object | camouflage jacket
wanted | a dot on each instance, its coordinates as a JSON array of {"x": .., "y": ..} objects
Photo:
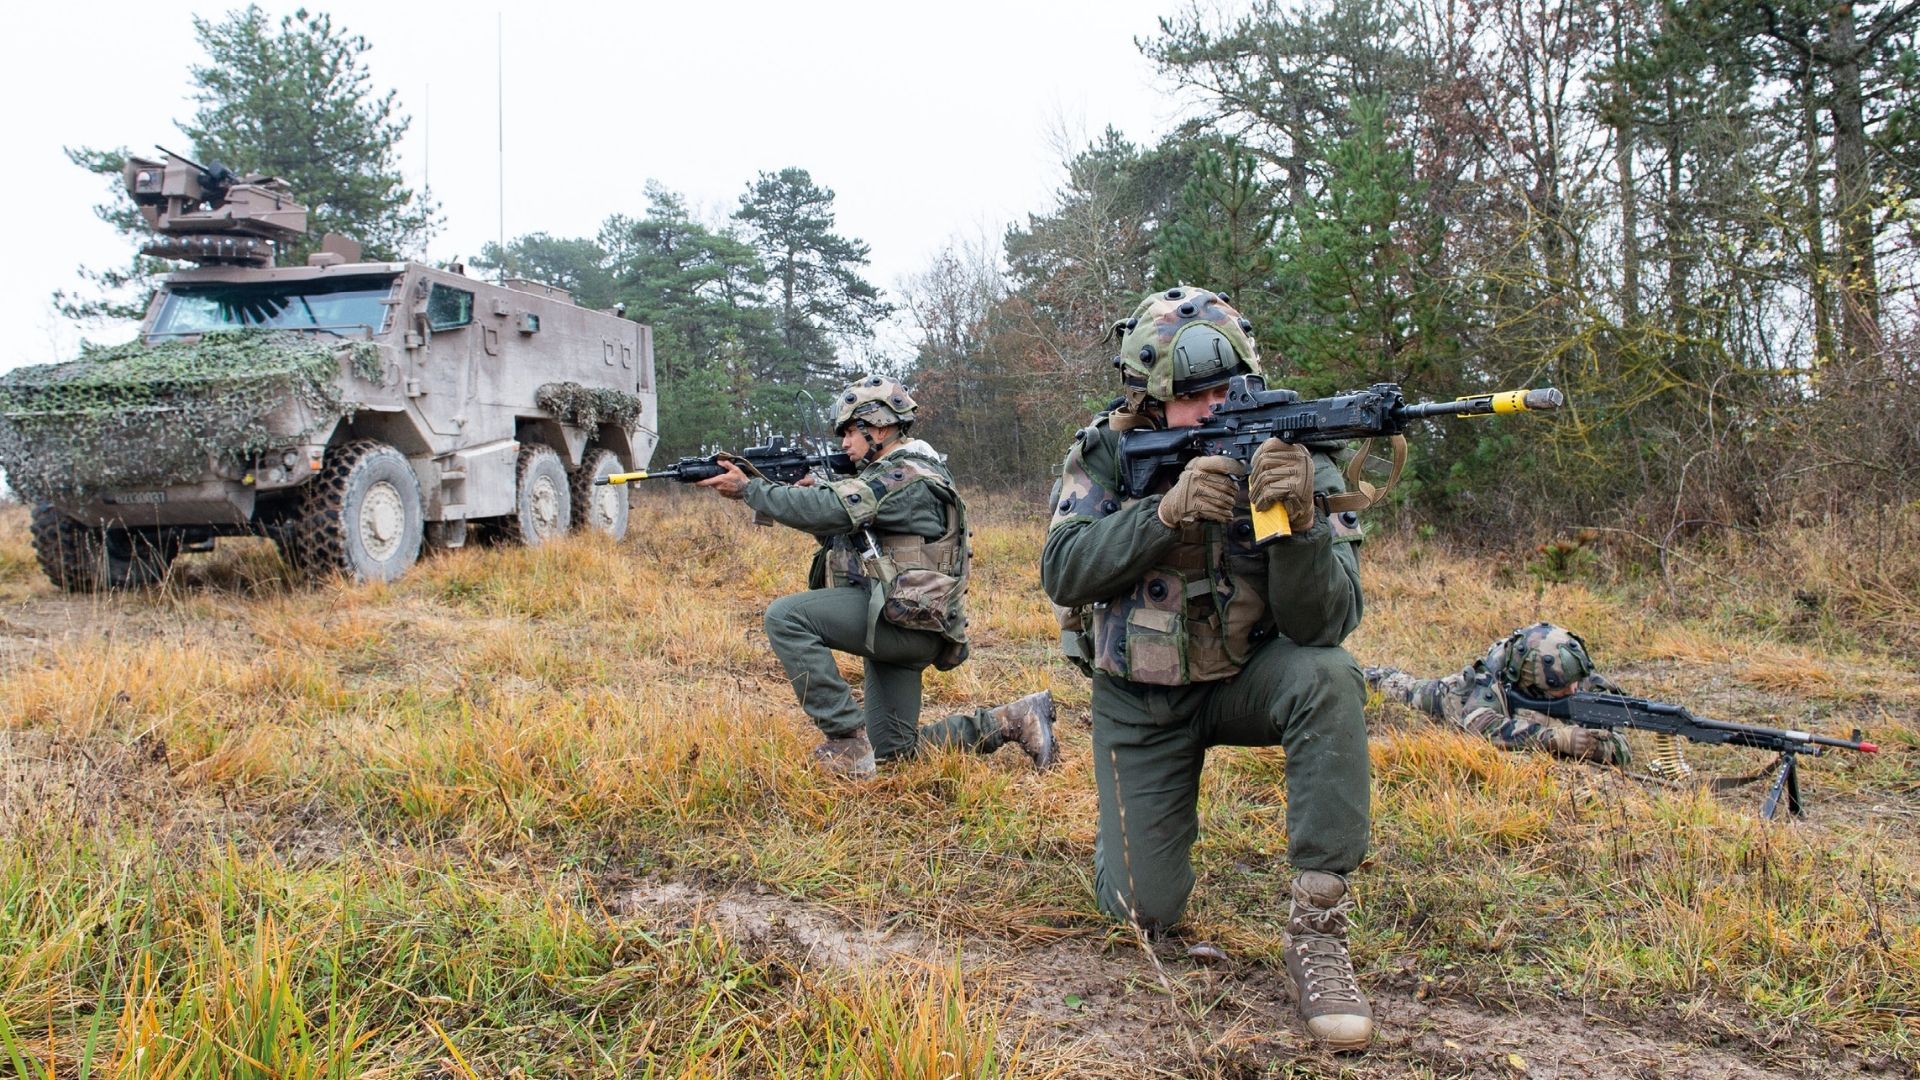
[
  {"x": 1171, "y": 607},
  {"x": 907, "y": 501}
]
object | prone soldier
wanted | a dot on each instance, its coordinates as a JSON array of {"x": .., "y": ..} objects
[
  {"x": 1542, "y": 660},
  {"x": 1197, "y": 636},
  {"x": 888, "y": 584}
]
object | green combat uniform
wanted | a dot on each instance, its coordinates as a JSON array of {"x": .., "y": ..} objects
[
  {"x": 1538, "y": 658},
  {"x": 1196, "y": 637},
  {"x": 889, "y": 585}
]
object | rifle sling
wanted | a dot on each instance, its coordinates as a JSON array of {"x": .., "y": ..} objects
[{"x": 1360, "y": 494}]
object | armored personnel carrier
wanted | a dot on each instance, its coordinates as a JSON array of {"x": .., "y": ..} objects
[{"x": 353, "y": 411}]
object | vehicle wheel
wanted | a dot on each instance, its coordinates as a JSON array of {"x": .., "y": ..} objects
[
  {"x": 542, "y": 506},
  {"x": 139, "y": 557},
  {"x": 361, "y": 516},
  {"x": 70, "y": 553},
  {"x": 286, "y": 540},
  {"x": 605, "y": 508}
]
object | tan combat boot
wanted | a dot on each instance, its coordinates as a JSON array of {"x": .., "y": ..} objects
[
  {"x": 851, "y": 757},
  {"x": 1029, "y": 722},
  {"x": 1318, "y": 967}
]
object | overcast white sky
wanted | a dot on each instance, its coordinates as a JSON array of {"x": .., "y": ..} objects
[{"x": 929, "y": 121}]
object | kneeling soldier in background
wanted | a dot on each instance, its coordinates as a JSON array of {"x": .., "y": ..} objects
[{"x": 888, "y": 585}]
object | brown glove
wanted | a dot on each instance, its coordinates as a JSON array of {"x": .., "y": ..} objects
[
  {"x": 1206, "y": 491},
  {"x": 1283, "y": 473},
  {"x": 1586, "y": 744}
]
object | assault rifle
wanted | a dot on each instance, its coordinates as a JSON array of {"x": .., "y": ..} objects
[
  {"x": 1252, "y": 414},
  {"x": 776, "y": 461},
  {"x": 1611, "y": 711}
]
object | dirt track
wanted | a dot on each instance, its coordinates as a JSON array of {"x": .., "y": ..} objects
[{"x": 1168, "y": 1015}]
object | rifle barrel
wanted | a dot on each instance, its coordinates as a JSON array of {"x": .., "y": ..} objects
[
  {"x": 1508, "y": 401},
  {"x": 626, "y": 477}
]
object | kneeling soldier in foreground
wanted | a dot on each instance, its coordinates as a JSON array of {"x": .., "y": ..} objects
[
  {"x": 888, "y": 585},
  {"x": 1196, "y": 636}
]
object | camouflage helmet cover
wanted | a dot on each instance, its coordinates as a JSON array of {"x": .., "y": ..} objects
[
  {"x": 1179, "y": 341},
  {"x": 1545, "y": 657},
  {"x": 879, "y": 401}
]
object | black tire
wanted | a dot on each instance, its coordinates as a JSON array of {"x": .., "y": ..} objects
[
  {"x": 286, "y": 541},
  {"x": 542, "y": 505},
  {"x": 139, "y": 557},
  {"x": 360, "y": 517},
  {"x": 604, "y": 508},
  {"x": 72, "y": 555}
]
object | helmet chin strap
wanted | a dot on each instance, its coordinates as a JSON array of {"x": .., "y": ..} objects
[{"x": 874, "y": 449}]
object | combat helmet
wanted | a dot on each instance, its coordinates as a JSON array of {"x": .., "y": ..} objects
[
  {"x": 1183, "y": 341},
  {"x": 876, "y": 400},
  {"x": 1546, "y": 657}
]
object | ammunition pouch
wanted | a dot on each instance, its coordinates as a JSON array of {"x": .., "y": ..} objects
[
  {"x": 1075, "y": 641},
  {"x": 920, "y": 600},
  {"x": 914, "y": 583},
  {"x": 1143, "y": 636}
]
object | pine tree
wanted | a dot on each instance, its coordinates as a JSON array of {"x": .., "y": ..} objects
[
  {"x": 292, "y": 100},
  {"x": 819, "y": 297},
  {"x": 1357, "y": 269},
  {"x": 1221, "y": 235}
]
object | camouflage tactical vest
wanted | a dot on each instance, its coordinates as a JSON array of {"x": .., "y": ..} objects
[
  {"x": 918, "y": 583},
  {"x": 1196, "y": 617}
]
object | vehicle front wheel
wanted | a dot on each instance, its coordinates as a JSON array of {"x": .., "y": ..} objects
[
  {"x": 542, "y": 508},
  {"x": 70, "y": 553},
  {"x": 603, "y": 508},
  {"x": 361, "y": 516}
]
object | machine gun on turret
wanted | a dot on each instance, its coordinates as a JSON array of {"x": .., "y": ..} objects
[{"x": 210, "y": 214}]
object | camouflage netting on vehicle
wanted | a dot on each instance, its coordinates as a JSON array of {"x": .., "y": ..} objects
[
  {"x": 574, "y": 404},
  {"x": 139, "y": 415}
]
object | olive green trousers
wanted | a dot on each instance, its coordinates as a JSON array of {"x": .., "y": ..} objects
[
  {"x": 1149, "y": 743},
  {"x": 806, "y": 628}
]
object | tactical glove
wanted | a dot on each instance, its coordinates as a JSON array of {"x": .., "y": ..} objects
[
  {"x": 1283, "y": 473},
  {"x": 1206, "y": 491},
  {"x": 1586, "y": 744}
]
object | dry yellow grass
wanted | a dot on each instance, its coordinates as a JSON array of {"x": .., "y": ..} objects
[{"x": 389, "y": 819}]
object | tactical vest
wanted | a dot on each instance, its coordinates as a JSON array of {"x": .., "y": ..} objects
[
  {"x": 1196, "y": 617},
  {"x": 916, "y": 583}
]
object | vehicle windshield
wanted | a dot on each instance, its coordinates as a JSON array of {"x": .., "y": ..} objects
[{"x": 344, "y": 307}]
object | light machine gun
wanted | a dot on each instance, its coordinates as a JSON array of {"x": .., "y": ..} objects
[
  {"x": 1611, "y": 711},
  {"x": 1252, "y": 414},
  {"x": 777, "y": 461}
]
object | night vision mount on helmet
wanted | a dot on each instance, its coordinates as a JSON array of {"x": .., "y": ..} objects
[{"x": 1183, "y": 341}]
